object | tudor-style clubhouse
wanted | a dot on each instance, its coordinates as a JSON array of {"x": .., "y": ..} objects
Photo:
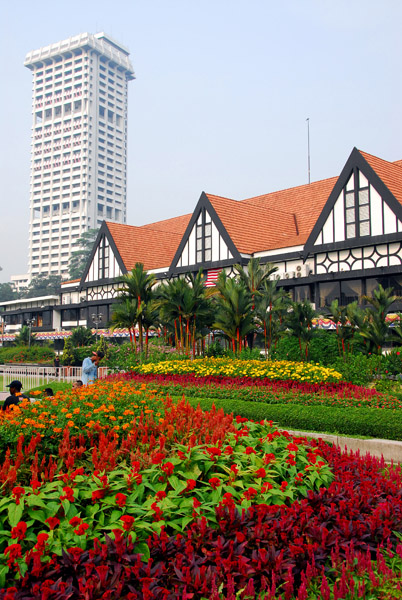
[{"x": 335, "y": 238}]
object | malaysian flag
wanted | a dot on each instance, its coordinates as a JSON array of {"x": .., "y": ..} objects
[{"x": 212, "y": 277}]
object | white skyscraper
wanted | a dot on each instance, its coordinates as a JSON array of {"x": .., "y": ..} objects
[{"x": 79, "y": 145}]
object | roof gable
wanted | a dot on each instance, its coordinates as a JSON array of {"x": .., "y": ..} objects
[
  {"x": 205, "y": 241},
  {"x": 361, "y": 205}
]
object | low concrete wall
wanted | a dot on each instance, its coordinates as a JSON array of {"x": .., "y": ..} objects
[{"x": 390, "y": 450}]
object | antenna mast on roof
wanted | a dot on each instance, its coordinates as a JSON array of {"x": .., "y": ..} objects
[{"x": 308, "y": 147}]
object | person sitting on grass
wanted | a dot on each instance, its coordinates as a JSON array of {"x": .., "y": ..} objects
[
  {"x": 15, "y": 394},
  {"x": 90, "y": 367},
  {"x": 77, "y": 384}
]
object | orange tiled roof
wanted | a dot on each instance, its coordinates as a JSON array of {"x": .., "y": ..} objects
[
  {"x": 277, "y": 220},
  {"x": 389, "y": 172},
  {"x": 154, "y": 244}
]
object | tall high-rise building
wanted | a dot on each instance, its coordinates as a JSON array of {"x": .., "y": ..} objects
[{"x": 79, "y": 145}]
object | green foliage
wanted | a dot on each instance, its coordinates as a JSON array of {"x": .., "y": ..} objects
[
  {"x": 358, "y": 368},
  {"x": 386, "y": 424},
  {"x": 25, "y": 337},
  {"x": 79, "y": 258},
  {"x": 7, "y": 292},
  {"x": 67, "y": 358},
  {"x": 43, "y": 285},
  {"x": 82, "y": 336},
  {"x": 23, "y": 354},
  {"x": 215, "y": 349},
  {"x": 391, "y": 363}
]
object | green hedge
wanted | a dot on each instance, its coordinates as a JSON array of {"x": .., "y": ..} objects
[
  {"x": 361, "y": 422},
  {"x": 23, "y": 354}
]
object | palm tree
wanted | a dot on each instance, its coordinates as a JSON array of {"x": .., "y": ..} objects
[
  {"x": 137, "y": 287},
  {"x": 233, "y": 310},
  {"x": 125, "y": 315},
  {"x": 254, "y": 276},
  {"x": 376, "y": 331},
  {"x": 184, "y": 304},
  {"x": 270, "y": 310},
  {"x": 81, "y": 336},
  {"x": 299, "y": 323}
]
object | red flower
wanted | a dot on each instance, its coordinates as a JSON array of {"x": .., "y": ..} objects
[
  {"x": 18, "y": 532},
  {"x": 168, "y": 468},
  {"x": 128, "y": 522},
  {"x": 158, "y": 458},
  {"x": 75, "y": 553},
  {"x": 81, "y": 529},
  {"x": 52, "y": 522},
  {"x": 260, "y": 473},
  {"x": 68, "y": 494},
  {"x": 75, "y": 521},
  {"x": 269, "y": 458},
  {"x": 17, "y": 492},
  {"x": 250, "y": 450},
  {"x": 292, "y": 447},
  {"x": 181, "y": 455},
  {"x": 214, "y": 482},
  {"x": 121, "y": 500},
  {"x": 227, "y": 499},
  {"x": 196, "y": 503},
  {"x": 250, "y": 493},
  {"x": 41, "y": 541},
  {"x": 98, "y": 495},
  {"x": 160, "y": 495},
  {"x": 266, "y": 486},
  {"x": 284, "y": 485},
  {"x": 191, "y": 483},
  {"x": 228, "y": 450},
  {"x": 158, "y": 516},
  {"x": 234, "y": 468},
  {"x": 240, "y": 419},
  {"x": 213, "y": 451},
  {"x": 137, "y": 478},
  {"x": 14, "y": 552}
]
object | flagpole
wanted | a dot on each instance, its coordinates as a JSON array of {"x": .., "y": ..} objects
[{"x": 308, "y": 147}]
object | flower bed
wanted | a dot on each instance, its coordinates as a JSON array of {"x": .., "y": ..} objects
[
  {"x": 187, "y": 504},
  {"x": 274, "y": 370},
  {"x": 265, "y": 390}
]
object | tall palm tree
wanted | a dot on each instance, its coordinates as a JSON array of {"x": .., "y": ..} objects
[
  {"x": 184, "y": 303},
  {"x": 299, "y": 323},
  {"x": 254, "y": 276},
  {"x": 137, "y": 286},
  {"x": 233, "y": 310},
  {"x": 377, "y": 330},
  {"x": 270, "y": 310},
  {"x": 125, "y": 315}
]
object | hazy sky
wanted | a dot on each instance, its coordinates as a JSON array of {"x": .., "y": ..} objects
[{"x": 221, "y": 96}]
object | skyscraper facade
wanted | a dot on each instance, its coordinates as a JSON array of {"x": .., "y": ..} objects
[{"x": 79, "y": 145}]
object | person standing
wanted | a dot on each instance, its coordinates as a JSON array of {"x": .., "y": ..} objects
[
  {"x": 15, "y": 394},
  {"x": 56, "y": 363},
  {"x": 90, "y": 367}
]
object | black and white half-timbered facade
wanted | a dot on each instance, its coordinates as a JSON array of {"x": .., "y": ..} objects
[{"x": 335, "y": 238}]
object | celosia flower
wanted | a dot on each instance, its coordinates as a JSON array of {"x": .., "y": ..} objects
[
  {"x": 14, "y": 552},
  {"x": 41, "y": 541},
  {"x": 75, "y": 521},
  {"x": 98, "y": 495},
  {"x": 284, "y": 485},
  {"x": 81, "y": 529},
  {"x": 228, "y": 450},
  {"x": 161, "y": 495},
  {"x": 52, "y": 522},
  {"x": 250, "y": 493},
  {"x": 260, "y": 473},
  {"x": 68, "y": 494},
  {"x": 191, "y": 483},
  {"x": 234, "y": 468},
  {"x": 196, "y": 503},
  {"x": 214, "y": 482},
  {"x": 18, "y": 532},
  {"x": 158, "y": 458},
  {"x": 266, "y": 486},
  {"x": 17, "y": 492},
  {"x": 213, "y": 451},
  {"x": 168, "y": 468},
  {"x": 128, "y": 522},
  {"x": 250, "y": 450},
  {"x": 268, "y": 458},
  {"x": 121, "y": 500}
]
